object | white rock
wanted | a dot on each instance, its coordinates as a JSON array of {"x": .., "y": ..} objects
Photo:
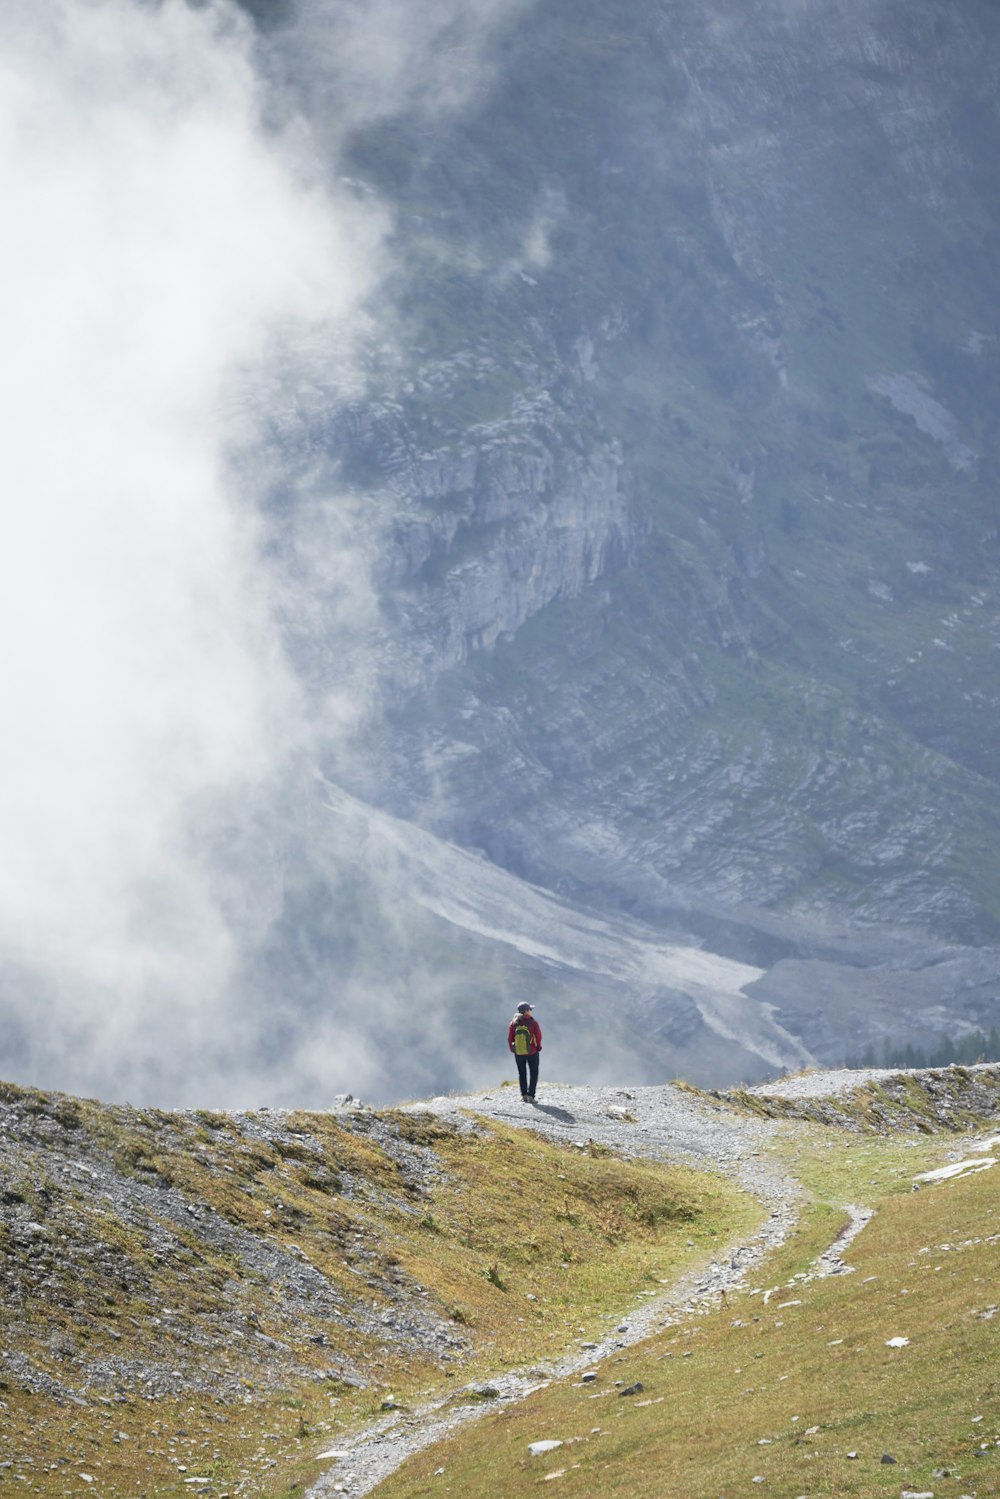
[
  {"x": 897, "y": 1343},
  {"x": 535, "y": 1448}
]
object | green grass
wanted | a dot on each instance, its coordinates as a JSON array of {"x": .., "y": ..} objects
[
  {"x": 582, "y": 1232},
  {"x": 782, "y": 1384}
]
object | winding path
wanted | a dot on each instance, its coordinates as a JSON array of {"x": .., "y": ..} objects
[{"x": 663, "y": 1123}]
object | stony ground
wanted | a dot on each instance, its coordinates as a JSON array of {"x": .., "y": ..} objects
[
  {"x": 832, "y": 1083},
  {"x": 84, "y": 1212}
]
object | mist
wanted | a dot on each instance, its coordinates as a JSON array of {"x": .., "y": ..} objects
[
  {"x": 192, "y": 291},
  {"x": 183, "y": 270}
]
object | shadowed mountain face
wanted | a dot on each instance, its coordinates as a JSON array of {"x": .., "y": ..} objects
[
  {"x": 696, "y": 444},
  {"x": 668, "y": 482},
  {"x": 687, "y": 464}
]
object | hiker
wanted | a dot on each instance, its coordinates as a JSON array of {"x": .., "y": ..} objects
[{"x": 524, "y": 1037}]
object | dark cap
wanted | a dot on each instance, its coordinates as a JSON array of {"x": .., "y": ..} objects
[{"x": 521, "y": 1008}]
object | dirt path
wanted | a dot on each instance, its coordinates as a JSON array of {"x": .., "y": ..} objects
[{"x": 664, "y": 1123}]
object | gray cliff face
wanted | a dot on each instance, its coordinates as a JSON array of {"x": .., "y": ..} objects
[
  {"x": 867, "y": 97},
  {"x": 635, "y": 564},
  {"x": 737, "y": 340},
  {"x": 468, "y": 531},
  {"x": 555, "y": 523}
]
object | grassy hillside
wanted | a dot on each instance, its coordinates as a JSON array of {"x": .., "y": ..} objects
[
  {"x": 207, "y": 1302},
  {"x": 214, "y": 1296},
  {"x": 792, "y": 1386}
]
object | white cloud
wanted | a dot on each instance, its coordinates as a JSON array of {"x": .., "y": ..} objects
[
  {"x": 184, "y": 278},
  {"x": 355, "y": 63},
  {"x": 158, "y": 241}
]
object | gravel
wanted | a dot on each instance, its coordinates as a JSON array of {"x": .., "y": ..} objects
[
  {"x": 663, "y": 1123},
  {"x": 833, "y": 1084},
  {"x": 837, "y": 1082}
]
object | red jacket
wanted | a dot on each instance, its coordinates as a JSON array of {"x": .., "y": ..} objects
[{"x": 535, "y": 1044}]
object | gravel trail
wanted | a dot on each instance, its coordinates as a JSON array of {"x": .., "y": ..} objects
[
  {"x": 663, "y": 1123},
  {"x": 832, "y": 1084}
]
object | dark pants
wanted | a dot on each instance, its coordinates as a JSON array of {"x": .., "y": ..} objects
[{"x": 527, "y": 1068}]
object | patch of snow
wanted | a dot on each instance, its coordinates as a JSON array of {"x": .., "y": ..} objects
[
  {"x": 957, "y": 1168},
  {"x": 478, "y": 897},
  {"x": 908, "y": 392}
]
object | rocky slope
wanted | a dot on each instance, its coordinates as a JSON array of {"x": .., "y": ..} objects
[
  {"x": 728, "y": 409},
  {"x": 208, "y": 1293}
]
